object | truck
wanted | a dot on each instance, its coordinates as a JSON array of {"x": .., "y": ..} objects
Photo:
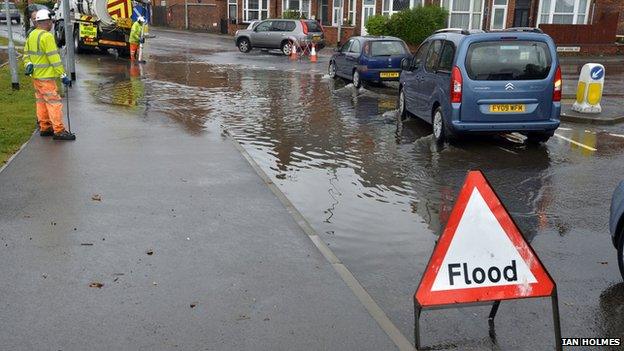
[{"x": 100, "y": 24}]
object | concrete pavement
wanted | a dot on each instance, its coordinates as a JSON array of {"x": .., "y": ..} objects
[{"x": 192, "y": 248}]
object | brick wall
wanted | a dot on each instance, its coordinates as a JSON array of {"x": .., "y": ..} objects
[
  {"x": 611, "y": 6},
  {"x": 205, "y": 15},
  {"x": 331, "y": 34}
]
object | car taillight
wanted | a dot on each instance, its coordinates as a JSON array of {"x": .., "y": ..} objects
[
  {"x": 456, "y": 85},
  {"x": 558, "y": 85},
  {"x": 305, "y": 27}
]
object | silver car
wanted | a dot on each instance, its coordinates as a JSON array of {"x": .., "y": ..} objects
[
  {"x": 13, "y": 12},
  {"x": 280, "y": 34}
]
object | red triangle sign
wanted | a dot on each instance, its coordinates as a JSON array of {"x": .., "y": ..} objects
[{"x": 481, "y": 255}]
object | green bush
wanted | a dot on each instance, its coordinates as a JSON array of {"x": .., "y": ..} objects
[
  {"x": 291, "y": 14},
  {"x": 377, "y": 25},
  {"x": 412, "y": 25}
]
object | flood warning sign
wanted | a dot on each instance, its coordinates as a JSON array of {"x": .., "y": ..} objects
[{"x": 481, "y": 255}]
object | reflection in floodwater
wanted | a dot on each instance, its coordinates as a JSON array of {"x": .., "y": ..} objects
[{"x": 340, "y": 152}]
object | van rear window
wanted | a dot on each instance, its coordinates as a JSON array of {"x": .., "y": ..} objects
[{"x": 508, "y": 60}]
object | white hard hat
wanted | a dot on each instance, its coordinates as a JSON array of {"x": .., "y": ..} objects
[
  {"x": 141, "y": 19},
  {"x": 42, "y": 15}
]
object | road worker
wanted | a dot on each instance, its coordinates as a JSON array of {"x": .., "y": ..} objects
[
  {"x": 136, "y": 38},
  {"x": 42, "y": 60}
]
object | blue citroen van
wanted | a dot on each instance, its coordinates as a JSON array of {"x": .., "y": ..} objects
[{"x": 475, "y": 82}]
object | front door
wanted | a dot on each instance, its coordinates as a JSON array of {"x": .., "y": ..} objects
[
  {"x": 368, "y": 10},
  {"x": 521, "y": 13},
  {"x": 261, "y": 34}
]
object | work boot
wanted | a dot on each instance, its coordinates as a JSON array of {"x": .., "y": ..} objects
[
  {"x": 64, "y": 135},
  {"x": 46, "y": 133}
]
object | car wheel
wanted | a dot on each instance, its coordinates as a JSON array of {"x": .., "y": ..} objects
[
  {"x": 536, "y": 138},
  {"x": 244, "y": 45},
  {"x": 402, "y": 109},
  {"x": 331, "y": 70},
  {"x": 287, "y": 48},
  {"x": 620, "y": 250},
  {"x": 357, "y": 82}
]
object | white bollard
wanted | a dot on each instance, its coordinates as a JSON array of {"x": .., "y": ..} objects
[{"x": 589, "y": 89}]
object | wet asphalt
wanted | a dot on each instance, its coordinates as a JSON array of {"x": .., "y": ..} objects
[{"x": 378, "y": 192}]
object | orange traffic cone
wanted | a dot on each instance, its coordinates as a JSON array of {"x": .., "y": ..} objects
[
  {"x": 313, "y": 57},
  {"x": 293, "y": 51}
]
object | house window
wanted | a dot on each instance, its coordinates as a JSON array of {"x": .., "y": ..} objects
[
  {"x": 563, "y": 11},
  {"x": 324, "y": 12},
  {"x": 254, "y": 10},
  {"x": 337, "y": 13},
  {"x": 301, "y": 6},
  {"x": 232, "y": 10},
  {"x": 392, "y": 6},
  {"x": 466, "y": 14},
  {"x": 352, "y": 13}
]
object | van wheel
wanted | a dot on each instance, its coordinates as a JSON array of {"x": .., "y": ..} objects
[
  {"x": 439, "y": 129},
  {"x": 244, "y": 45},
  {"x": 402, "y": 109},
  {"x": 357, "y": 81},
  {"x": 536, "y": 138}
]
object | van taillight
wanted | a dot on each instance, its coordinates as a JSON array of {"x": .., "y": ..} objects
[
  {"x": 305, "y": 27},
  {"x": 456, "y": 85},
  {"x": 558, "y": 85}
]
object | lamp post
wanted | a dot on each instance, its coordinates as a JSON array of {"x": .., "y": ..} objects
[{"x": 12, "y": 57}]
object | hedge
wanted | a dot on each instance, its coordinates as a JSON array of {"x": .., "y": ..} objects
[{"x": 412, "y": 25}]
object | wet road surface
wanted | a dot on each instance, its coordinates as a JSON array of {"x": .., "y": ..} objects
[{"x": 379, "y": 192}]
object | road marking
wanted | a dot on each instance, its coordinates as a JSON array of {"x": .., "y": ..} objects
[
  {"x": 576, "y": 142},
  {"x": 345, "y": 274},
  {"x": 617, "y": 135},
  {"x": 564, "y": 128}
]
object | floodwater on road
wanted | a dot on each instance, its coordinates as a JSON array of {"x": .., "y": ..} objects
[{"x": 379, "y": 192}]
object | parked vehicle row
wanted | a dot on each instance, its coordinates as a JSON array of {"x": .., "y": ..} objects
[
  {"x": 464, "y": 82},
  {"x": 14, "y": 14},
  {"x": 459, "y": 81}
]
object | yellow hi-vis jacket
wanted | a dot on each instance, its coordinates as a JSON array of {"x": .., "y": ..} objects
[
  {"x": 41, "y": 51},
  {"x": 135, "y": 32}
]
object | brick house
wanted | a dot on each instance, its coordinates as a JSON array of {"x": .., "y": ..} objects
[{"x": 557, "y": 17}]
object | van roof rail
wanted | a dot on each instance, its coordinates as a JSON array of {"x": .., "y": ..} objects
[
  {"x": 523, "y": 29},
  {"x": 453, "y": 30}
]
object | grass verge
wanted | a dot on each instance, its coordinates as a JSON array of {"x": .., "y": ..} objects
[
  {"x": 17, "y": 120},
  {"x": 4, "y": 41}
]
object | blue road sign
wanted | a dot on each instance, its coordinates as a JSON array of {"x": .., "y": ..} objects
[{"x": 597, "y": 73}]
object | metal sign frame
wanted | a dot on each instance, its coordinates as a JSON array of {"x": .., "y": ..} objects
[{"x": 418, "y": 308}]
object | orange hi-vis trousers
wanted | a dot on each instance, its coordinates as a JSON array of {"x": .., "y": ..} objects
[
  {"x": 49, "y": 105},
  {"x": 134, "y": 51}
]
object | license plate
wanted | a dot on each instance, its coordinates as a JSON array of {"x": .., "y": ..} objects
[
  {"x": 389, "y": 75},
  {"x": 502, "y": 108}
]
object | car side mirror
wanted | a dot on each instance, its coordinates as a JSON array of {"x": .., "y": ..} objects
[{"x": 406, "y": 64}]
